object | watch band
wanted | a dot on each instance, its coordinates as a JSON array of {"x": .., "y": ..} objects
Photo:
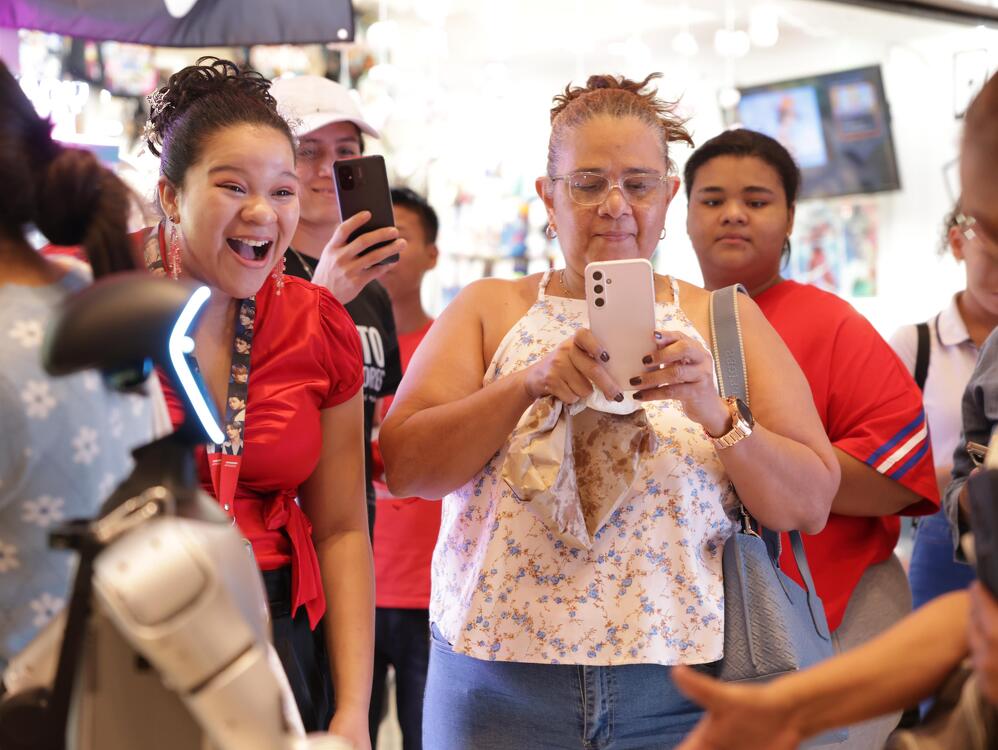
[{"x": 740, "y": 429}]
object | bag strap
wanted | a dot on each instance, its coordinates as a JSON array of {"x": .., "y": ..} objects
[
  {"x": 732, "y": 380},
  {"x": 922, "y": 355}
]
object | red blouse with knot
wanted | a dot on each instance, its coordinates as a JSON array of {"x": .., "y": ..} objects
[{"x": 306, "y": 357}]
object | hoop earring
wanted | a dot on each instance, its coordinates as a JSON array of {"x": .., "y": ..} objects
[
  {"x": 550, "y": 232},
  {"x": 278, "y": 276},
  {"x": 662, "y": 235},
  {"x": 173, "y": 265}
]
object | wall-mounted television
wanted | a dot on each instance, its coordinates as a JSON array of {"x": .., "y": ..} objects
[{"x": 836, "y": 125}]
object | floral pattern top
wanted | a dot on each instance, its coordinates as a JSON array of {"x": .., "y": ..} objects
[
  {"x": 649, "y": 590},
  {"x": 66, "y": 444}
]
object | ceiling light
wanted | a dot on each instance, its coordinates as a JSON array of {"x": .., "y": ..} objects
[
  {"x": 728, "y": 97},
  {"x": 685, "y": 44},
  {"x": 731, "y": 43},
  {"x": 764, "y": 26}
]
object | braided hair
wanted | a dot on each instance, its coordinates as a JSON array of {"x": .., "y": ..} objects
[{"x": 201, "y": 99}]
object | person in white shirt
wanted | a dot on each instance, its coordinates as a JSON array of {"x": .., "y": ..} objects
[{"x": 951, "y": 341}]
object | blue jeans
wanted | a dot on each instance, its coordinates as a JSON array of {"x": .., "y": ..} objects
[
  {"x": 486, "y": 705},
  {"x": 933, "y": 571}
]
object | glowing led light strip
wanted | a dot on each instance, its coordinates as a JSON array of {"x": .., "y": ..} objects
[{"x": 181, "y": 344}]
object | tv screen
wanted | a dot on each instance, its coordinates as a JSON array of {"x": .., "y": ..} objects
[{"x": 837, "y": 126}]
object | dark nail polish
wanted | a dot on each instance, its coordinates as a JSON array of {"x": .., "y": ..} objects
[
  {"x": 658, "y": 335},
  {"x": 635, "y": 381},
  {"x": 619, "y": 397},
  {"x": 605, "y": 356},
  {"x": 636, "y": 396},
  {"x": 647, "y": 359}
]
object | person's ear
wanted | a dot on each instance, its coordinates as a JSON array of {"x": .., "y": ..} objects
[
  {"x": 544, "y": 186},
  {"x": 169, "y": 199},
  {"x": 791, "y": 213},
  {"x": 956, "y": 242},
  {"x": 673, "y": 183},
  {"x": 432, "y": 254}
]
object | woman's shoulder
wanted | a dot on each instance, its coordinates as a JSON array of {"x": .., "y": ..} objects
[
  {"x": 492, "y": 293},
  {"x": 815, "y": 298},
  {"x": 302, "y": 306},
  {"x": 300, "y": 297}
]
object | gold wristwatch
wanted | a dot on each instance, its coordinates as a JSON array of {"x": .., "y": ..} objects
[{"x": 742, "y": 423}]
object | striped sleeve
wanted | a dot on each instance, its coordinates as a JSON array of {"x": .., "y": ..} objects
[
  {"x": 880, "y": 419},
  {"x": 903, "y": 451}
]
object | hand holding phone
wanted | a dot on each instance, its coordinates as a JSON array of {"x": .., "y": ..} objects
[
  {"x": 358, "y": 252},
  {"x": 977, "y": 452},
  {"x": 620, "y": 295},
  {"x": 362, "y": 185}
]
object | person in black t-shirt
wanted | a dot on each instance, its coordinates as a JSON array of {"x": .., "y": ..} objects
[{"x": 331, "y": 127}]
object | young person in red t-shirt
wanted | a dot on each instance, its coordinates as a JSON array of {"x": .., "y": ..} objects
[
  {"x": 405, "y": 529},
  {"x": 742, "y": 188}
]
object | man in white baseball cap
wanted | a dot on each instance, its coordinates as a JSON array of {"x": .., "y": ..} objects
[{"x": 329, "y": 126}]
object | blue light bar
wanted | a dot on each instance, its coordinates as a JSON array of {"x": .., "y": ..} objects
[{"x": 179, "y": 345}]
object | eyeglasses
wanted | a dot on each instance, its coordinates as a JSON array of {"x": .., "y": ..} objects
[
  {"x": 971, "y": 229},
  {"x": 592, "y": 188}
]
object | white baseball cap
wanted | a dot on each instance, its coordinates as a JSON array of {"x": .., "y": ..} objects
[{"x": 316, "y": 102}]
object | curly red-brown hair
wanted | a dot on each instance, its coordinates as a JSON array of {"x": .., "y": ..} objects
[{"x": 615, "y": 96}]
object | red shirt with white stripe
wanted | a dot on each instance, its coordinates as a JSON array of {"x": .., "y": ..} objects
[{"x": 872, "y": 410}]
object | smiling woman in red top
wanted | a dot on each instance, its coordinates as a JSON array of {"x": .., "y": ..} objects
[
  {"x": 742, "y": 188},
  {"x": 280, "y": 359}
]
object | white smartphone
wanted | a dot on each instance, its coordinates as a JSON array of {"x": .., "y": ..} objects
[{"x": 620, "y": 295}]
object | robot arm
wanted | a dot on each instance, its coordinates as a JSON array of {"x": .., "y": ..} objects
[{"x": 187, "y": 596}]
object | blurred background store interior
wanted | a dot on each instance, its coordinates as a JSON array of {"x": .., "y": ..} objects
[{"x": 869, "y": 100}]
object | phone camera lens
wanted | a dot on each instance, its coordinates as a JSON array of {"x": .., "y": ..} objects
[
  {"x": 597, "y": 275},
  {"x": 598, "y": 289},
  {"x": 600, "y": 302},
  {"x": 346, "y": 177}
]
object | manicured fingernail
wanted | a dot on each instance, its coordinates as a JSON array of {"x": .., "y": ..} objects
[
  {"x": 605, "y": 356},
  {"x": 658, "y": 335},
  {"x": 647, "y": 359},
  {"x": 619, "y": 397},
  {"x": 635, "y": 381},
  {"x": 636, "y": 395}
]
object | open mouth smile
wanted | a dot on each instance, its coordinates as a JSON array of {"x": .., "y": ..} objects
[{"x": 249, "y": 249}]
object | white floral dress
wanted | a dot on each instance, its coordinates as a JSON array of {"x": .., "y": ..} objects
[
  {"x": 66, "y": 444},
  {"x": 648, "y": 592}
]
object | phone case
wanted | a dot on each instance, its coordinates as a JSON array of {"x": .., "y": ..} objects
[
  {"x": 620, "y": 295},
  {"x": 983, "y": 491},
  {"x": 362, "y": 185}
]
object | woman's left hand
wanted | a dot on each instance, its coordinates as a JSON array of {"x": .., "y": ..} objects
[
  {"x": 352, "y": 726},
  {"x": 681, "y": 369}
]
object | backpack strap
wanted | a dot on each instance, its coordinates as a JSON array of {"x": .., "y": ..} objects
[{"x": 922, "y": 355}]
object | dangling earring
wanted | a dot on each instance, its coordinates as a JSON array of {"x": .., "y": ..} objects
[
  {"x": 661, "y": 236},
  {"x": 278, "y": 276},
  {"x": 173, "y": 252},
  {"x": 550, "y": 232}
]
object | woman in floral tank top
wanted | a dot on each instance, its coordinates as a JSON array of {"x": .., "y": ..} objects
[{"x": 542, "y": 643}]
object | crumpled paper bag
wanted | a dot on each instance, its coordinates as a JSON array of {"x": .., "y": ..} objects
[{"x": 574, "y": 465}]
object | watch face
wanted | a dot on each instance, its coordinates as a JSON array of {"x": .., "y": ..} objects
[{"x": 745, "y": 412}]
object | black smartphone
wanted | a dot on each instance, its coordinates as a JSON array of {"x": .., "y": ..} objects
[
  {"x": 983, "y": 494},
  {"x": 362, "y": 185}
]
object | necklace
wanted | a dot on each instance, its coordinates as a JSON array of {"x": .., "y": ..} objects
[
  {"x": 565, "y": 286},
  {"x": 306, "y": 266}
]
